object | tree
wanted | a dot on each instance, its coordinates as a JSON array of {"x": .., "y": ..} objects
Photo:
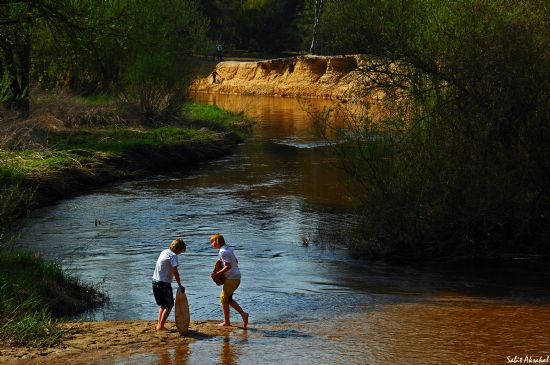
[
  {"x": 266, "y": 25},
  {"x": 94, "y": 47},
  {"x": 454, "y": 159},
  {"x": 19, "y": 20},
  {"x": 318, "y": 11},
  {"x": 157, "y": 73}
]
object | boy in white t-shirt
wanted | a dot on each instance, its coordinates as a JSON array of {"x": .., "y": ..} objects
[
  {"x": 232, "y": 279},
  {"x": 166, "y": 269}
]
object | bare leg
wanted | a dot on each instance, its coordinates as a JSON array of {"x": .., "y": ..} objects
[
  {"x": 161, "y": 310},
  {"x": 164, "y": 311},
  {"x": 226, "y": 314},
  {"x": 243, "y": 314}
]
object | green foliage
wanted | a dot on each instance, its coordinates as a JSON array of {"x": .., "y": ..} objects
[
  {"x": 156, "y": 77},
  {"x": 264, "y": 25},
  {"x": 94, "y": 47},
  {"x": 6, "y": 92},
  {"x": 462, "y": 162},
  {"x": 20, "y": 23}
]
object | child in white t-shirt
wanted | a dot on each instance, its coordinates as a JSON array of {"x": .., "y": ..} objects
[
  {"x": 232, "y": 279},
  {"x": 165, "y": 270}
]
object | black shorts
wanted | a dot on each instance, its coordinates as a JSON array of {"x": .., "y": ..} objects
[{"x": 163, "y": 293}]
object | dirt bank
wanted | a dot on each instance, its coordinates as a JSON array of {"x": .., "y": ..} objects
[
  {"x": 109, "y": 341},
  {"x": 302, "y": 76},
  {"x": 139, "y": 162}
]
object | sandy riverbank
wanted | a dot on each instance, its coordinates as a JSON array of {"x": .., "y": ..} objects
[
  {"x": 334, "y": 77},
  {"x": 112, "y": 341}
]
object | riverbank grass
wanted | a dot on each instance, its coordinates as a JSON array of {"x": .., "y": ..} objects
[
  {"x": 33, "y": 293},
  {"x": 210, "y": 112},
  {"x": 54, "y": 149}
]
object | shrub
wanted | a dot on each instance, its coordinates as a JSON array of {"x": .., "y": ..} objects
[{"x": 459, "y": 164}]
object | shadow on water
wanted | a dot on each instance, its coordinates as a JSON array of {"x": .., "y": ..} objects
[
  {"x": 287, "y": 333},
  {"x": 521, "y": 281}
]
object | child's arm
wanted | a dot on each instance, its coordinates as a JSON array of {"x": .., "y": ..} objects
[
  {"x": 226, "y": 267},
  {"x": 177, "y": 276},
  {"x": 226, "y": 262}
]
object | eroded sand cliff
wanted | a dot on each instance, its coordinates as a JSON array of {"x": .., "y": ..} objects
[{"x": 303, "y": 76}]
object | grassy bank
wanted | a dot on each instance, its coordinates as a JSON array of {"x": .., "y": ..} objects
[
  {"x": 65, "y": 147},
  {"x": 82, "y": 137},
  {"x": 33, "y": 293}
]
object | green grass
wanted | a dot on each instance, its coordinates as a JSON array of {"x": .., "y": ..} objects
[
  {"x": 213, "y": 117},
  {"x": 119, "y": 140},
  {"x": 16, "y": 164},
  {"x": 33, "y": 293},
  {"x": 81, "y": 146},
  {"x": 209, "y": 112}
]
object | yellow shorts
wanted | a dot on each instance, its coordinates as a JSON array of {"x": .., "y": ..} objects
[{"x": 229, "y": 287}]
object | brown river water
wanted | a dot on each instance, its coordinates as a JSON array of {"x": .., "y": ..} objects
[{"x": 309, "y": 304}]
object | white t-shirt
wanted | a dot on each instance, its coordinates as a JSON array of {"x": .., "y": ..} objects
[
  {"x": 164, "y": 269},
  {"x": 227, "y": 256}
]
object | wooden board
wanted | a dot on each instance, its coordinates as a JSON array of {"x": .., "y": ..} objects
[{"x": 182, "y": 312}]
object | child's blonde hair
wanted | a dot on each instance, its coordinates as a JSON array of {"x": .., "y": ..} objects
[
  {"x": 218, "y": 238},
  {"x": 178, "y": 246}
]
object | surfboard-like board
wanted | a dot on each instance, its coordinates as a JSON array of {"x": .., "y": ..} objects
[{"x": 182, "y": 312}]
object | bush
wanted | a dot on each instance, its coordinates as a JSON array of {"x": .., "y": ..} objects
[
  {"x": 158, "y": 71},
  {"x": 459, "y": 164},
  {"x": 155, "y": 88}
]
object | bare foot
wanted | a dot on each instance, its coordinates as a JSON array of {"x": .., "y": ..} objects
[
  {"x": 164, "y": 329},
  {"x": 245, "y": 320},
  {"x": 224, "y": 324}
]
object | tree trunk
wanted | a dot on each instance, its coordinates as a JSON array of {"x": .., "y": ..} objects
[
  {"x": 17, "y": 60},
  {"x": 11, "y": 69},
  {"x": 318, "y": 10},
  {"x": 23, "y": 104}
]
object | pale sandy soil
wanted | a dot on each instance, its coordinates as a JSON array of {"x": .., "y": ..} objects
[
  {"x": 97, "y": 342},
  {"x": 334, "y": 77}
]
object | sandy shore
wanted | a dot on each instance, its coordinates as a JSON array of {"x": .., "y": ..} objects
[{"x": 105, "y": 341}]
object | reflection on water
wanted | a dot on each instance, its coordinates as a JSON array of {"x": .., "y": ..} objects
[
  {"x": 307, "y": 304},
  {"x": 448, "y": 330},
  {"x": 458, "y": 330}
]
